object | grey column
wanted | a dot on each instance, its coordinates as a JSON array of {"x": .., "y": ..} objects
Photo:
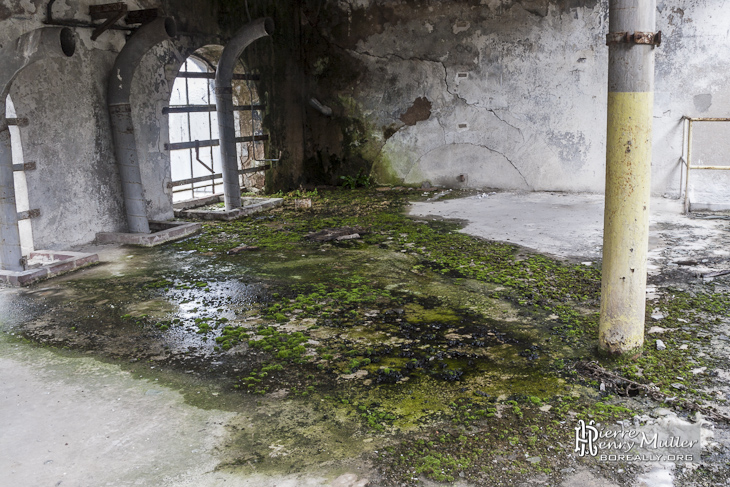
[
  {"x": 628, "y": 175},
  {"x": 10, "y": 251},
  {"x": 120, "y": 112},
  {"x": 224, "y": 105}
]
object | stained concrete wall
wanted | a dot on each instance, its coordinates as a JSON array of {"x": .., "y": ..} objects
[
  {"x": 76, "y": 185},
  {"x": 691, "y": 80},
  {"x": 504, "y": 94},
  {"x": 495, "y": 93},
  {"x": 461, "y": 93}
]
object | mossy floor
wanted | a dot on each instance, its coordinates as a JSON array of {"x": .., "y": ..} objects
[{"x": 420, "y": 351}]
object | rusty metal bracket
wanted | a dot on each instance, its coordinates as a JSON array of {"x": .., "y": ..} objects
[
  {"x": 197, "y": 157},
  {"x": 50, "y": 20},
  {"x": 106, "y": 10},
  {"x": 20, "y": 122},
  {"x": 111, "y": 12},
  {"x": 646, "y": 38},
  {"x": 28, "y": 166},
  {"x": 25, "y": 215}
]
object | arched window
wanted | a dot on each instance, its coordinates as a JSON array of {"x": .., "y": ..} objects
[
  {"x": 22, "y": 201},
  {"x": 194, "y": 152},
  {"x": 191, "y": 120}
]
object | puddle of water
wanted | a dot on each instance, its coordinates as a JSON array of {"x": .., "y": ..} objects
[{"x": 169, "y": 307}]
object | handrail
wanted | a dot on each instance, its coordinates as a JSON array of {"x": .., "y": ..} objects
[{"x": 688, "y": 161}]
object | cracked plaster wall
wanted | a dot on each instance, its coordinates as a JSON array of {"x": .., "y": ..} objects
[
  {"x": 491, "y": 93},
  {"x": 517, "y": 88},
  {"x": 691, "y": 80},
  {"x": 76, "y": 185}
]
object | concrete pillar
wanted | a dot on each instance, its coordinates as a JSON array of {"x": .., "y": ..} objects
[
  {"x": 10, "y": 250},
  {"x": 14, "y": 57},
  {"x": 119, "y": 92},
  {"x": 628, "y": 169},
  {"x": 224, "y": 105}
]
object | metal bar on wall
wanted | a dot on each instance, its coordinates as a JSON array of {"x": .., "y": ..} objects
[
  {"x": 207, "y": 108},
  {"x": 212, "y": 177},
  {"x": 211, "y": 75},
  {"x": 214, "y": 142}
]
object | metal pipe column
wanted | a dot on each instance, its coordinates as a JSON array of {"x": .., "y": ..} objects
[
  {"x": 28, "y": 48},
  {"x": 224, "y": 105},
  {"x": 120, "y": 111},
  {"x": 628, "y": 170}
]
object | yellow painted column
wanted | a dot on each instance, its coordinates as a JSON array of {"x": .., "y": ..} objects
[
  {"x": 626, "y": 221},
  {"x": 628, "y": 175}
]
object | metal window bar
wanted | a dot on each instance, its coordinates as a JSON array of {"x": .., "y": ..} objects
[
  {"x": 187, "y": 117},
  {"x": 688, "y": 160},
  {"x": 253, "y": 128},
  {"x": 211, "y": 143},
  {"x": 211, "y": 177},
  {"x": 211, "y": 75},
  {"x": 196, "y": 145},
  {"x": 207, "y": 108}
]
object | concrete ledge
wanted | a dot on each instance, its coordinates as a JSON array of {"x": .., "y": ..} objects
[
  {"x": 198, "y": 202},
  {"x": 250, "y": 206},
  {"x": 713, "y": 207},
  {"x": 50, "y": 263},
  {"x": 162, "y": 232}
]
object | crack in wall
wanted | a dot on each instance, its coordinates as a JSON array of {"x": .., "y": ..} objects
[
  {"x": 505, "y": 158},
  {"x": 443, "y": 129},
  {"x": 457, "y": 96},
  {"x": 476, "y": 105},
  {"x": 514, "y": 166},
  {"x": 388, "y": 57},
  {"x": 493, "y": 112}
]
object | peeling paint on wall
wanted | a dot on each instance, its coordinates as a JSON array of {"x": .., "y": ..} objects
[
  {"x": 5, "y": 12},
  {"x": 702, "y": 102},
  {"x": 419, "y": 111},
  {"x": 491, "y": 72}
]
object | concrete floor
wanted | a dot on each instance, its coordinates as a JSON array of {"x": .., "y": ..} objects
[
  {"x": 76, "y": 421},
  {"x": 70, "y": 421},
  {"x": 560, "y": 224},
  {"x": 571, "y": 226}
]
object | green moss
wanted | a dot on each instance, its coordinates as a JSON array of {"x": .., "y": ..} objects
[{"x": 452, "y": 342}]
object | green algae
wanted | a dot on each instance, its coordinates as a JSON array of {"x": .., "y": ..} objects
[
  {"x": 687, "y": 323},
  {"x": 412, "y": 329},
  {"x": 476, "y": 445},
  {"x": 415, "y": 313}
]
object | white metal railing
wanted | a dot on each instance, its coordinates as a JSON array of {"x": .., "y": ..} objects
[{"x": 688, "y": 161}]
